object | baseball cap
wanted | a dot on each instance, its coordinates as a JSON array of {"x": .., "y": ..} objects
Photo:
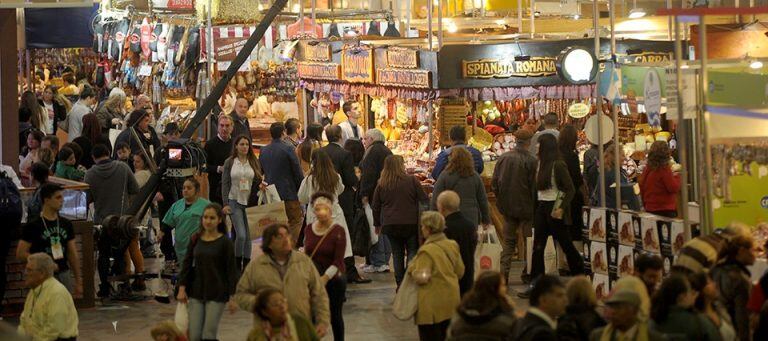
[{"x": 624, "y": 296}]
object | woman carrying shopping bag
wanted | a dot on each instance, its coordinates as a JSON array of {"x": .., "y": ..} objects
[
  {"x": 553, "y": 211},
  {"x": 209, "y": 276},
  {"x": 436, "y": 269},
  {"x": 240, "y": 182}
]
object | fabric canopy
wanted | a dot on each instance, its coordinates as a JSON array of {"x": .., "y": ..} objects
[{"x": 59, "y": 27}]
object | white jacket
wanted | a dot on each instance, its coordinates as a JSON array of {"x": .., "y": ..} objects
[
  {"x": 306, "y": 190},
  {"x": 347, "y": 132}
]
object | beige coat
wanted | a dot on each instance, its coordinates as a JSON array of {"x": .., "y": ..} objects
[
  {"x": 301, "y": 286},
  {"x": 438, "y": 299}
]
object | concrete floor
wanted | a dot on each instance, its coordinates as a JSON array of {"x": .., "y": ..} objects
[{"x": 367, "y": 314}]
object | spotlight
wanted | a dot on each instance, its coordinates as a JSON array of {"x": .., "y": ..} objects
[
  {"x": 756, "y": 64},
  {"x": 636, "y": 13}
]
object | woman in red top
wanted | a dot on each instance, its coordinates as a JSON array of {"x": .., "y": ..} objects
[
  {"x": 659, "y": 186},
  {"x": 325, "y": 242}
]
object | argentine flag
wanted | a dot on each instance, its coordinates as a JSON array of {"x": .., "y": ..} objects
[{"x": 610, "y": 83}]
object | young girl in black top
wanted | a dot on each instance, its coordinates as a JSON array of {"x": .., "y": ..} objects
[{"x": 209, "y": 276}]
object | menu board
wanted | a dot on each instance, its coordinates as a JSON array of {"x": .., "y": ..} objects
[{"x": 451, "y": 115}]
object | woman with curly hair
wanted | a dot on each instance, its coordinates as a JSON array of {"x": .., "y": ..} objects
[
  {"x": 659, "y": 186},
  {"x": 460, "y": 176}
]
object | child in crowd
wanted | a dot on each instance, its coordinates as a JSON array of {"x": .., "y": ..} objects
[
  {"x": 124, "y": 153},
  {"x": 67, "y": 167}
]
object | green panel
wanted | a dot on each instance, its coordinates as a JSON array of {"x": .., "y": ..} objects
[
  {"x": 747, "y": 195},
  {"x": 738, "y": 89},
  {"x": 633, "y": 78}
]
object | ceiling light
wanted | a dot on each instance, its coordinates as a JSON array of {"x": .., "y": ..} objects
[
  {"x": 636, "y": 13},
  {"x": 296, "y": 8},
  {"x": 756, "y": 64},
  {"x": 500, "y": 22},
  {"x": 576, "y": 17},
  {"x": 452, "y": 28}
]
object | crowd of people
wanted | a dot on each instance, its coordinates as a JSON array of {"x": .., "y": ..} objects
[{"x": 296, "y": 285}]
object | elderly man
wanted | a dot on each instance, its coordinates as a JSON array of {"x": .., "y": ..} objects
[
  {"x": 461, "y": 230},
  {"x": 551, "y": 126},
  {"x": 370, "y": 171},
  {"x": 623, "y": 323},
  {"x": 240, "y": 117},
  {"x": 49, "y": 312}
]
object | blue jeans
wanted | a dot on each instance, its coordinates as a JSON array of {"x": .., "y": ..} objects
[
  {"x": 204, "y": 317},
  {"x": 240, "y": 224},
  {"x": 401, "y": 245},
  {"x": 381, "y": 252}
]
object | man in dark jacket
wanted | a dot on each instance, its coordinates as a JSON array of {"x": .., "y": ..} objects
[
  {"x": 345, "y": 166},
  {"x": 514, "y": 183},
  {"x": 548, "y": 302},
  {"x": 370, "y": 172},
  {"x": 111, "y": 185},
  {"x": 281, "y": 168},
  {"x": 459, "y": 138},
  {"x": 240, "y": 117},
  {"x": 462, "y": 231},
  {"x": 218, "y": 150}
]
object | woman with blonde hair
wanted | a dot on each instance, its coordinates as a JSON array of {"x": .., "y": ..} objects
[
  {"x": 580, "y": 315},
  {"x": 395, "y": 208},
  {"x": 436, "y": 270},
  {"x": 112, "y": 112},
  {"x": 460, "y": 176}
]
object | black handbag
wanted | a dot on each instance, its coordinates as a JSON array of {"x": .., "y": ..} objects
[{"x": 360, "y": 234}]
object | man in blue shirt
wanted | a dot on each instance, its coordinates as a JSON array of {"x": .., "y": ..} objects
[
  {"x": 281, "y": 167},
  {"x": 458, "y": 137}
]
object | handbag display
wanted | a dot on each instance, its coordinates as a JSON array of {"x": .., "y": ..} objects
[{"x": 266, "y": 213}]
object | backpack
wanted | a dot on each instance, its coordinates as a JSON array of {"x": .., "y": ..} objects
[{"x": 10, "y": 200}]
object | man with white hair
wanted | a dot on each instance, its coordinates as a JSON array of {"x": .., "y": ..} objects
[
  {"x": 49, "y": 312},
  {"x": 461, "y": 230},
  {"x": 370, "y": 171}
]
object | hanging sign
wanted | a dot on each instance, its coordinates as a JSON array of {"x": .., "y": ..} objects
[
  {"x": 316, "y": 51},
  {"x": 645, "y": 57},
  {"x": 325, "y": 71},
  {"x": 404, "y": 78},
  {"x": 402, "y": 58},
  {"x": 357, "y": 64},
  {"x": 652, "y": 98},
  {"x": 506, "y": 68},
  {"x": 577, "y": 65},
  {"x": 578, "y": 110},
  {"x": 451, "y": 115}
]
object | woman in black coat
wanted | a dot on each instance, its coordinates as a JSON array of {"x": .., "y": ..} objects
[
  {"x": 567, "y": 143},
  {"x": 139, "y": 119}
]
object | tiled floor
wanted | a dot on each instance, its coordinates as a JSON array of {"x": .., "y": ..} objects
[{"x": 367, "y": 315}]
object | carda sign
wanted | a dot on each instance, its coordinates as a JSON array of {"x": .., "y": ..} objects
[
  {"x": 646, "y": 57},
  {"x": 506, "y": 68},
  {"x": 357, "y": 64}
]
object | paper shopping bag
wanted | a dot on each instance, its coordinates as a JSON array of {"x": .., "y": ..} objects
[
  {"x": 550, "y": 255},
  {"x": 113, "y": 133},
  {"x": 264, "y": 215},
  {"x": 369, "y": 216},
  {"x": 181, "y": 318},
  {"x": 488, "y": 252}
]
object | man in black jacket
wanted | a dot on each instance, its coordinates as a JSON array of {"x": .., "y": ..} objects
[
  {"x": 370, "y": 172},
  {"x": 461, "y": 230},
  {"x": 240, "y": 116},
  {"x": 218, "y": 150},
  {"x": 548, "y": 302},
  {"x": 344, "y": 165}
]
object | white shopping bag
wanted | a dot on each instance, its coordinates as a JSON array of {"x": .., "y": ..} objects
[
  {"x": 113, "y": 133},
  {"x": 271, "y": 194},
  {"x": 550, "y": 255},
  {"x": 488, "y": 252},
  {"x": 369, "y": 216},
  {"x": 182, "y": 317}
]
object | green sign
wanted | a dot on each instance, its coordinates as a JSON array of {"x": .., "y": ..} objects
[
  {"x": 633, "y": 79},
  {"x": 748, "y": 202},
  {"x": 739, "y": 89}
]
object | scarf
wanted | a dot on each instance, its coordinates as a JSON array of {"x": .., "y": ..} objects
[
  {"x": 640, "y": 335},
  {"x": 286, "y": 333}
]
